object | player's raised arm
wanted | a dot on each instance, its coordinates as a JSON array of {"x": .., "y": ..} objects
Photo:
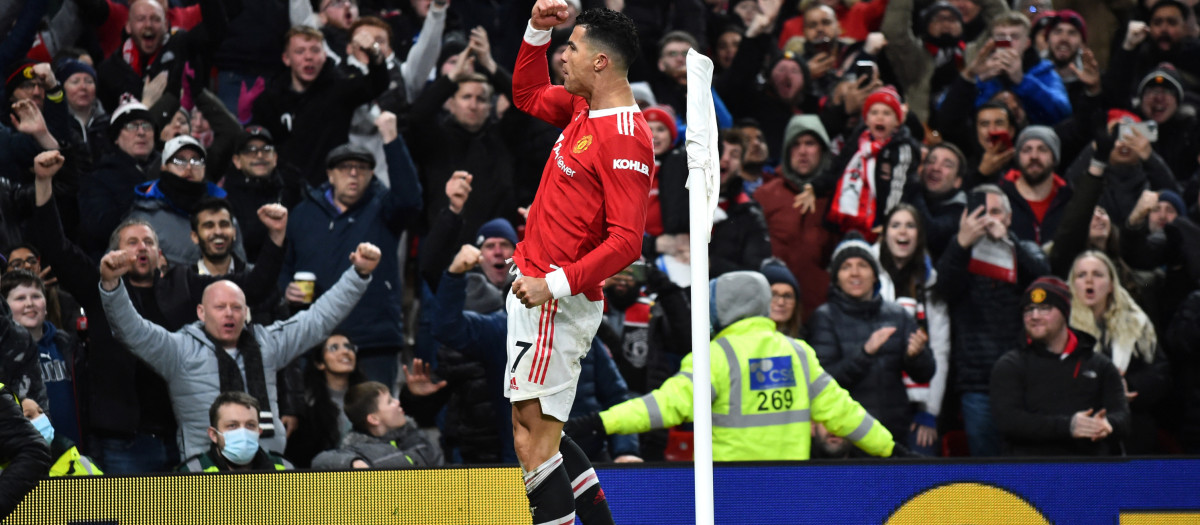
[{"x": 532, "y": 91}]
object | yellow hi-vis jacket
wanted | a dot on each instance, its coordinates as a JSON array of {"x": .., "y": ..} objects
[{"x": 767, "y": 389}]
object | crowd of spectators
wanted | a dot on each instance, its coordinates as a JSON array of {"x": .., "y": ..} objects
[{"x": 298, "y": 217}]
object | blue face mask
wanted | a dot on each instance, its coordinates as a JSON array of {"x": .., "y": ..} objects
[
  {"x": 240, "y": 445},
  {"x": 42, "y": 424}
]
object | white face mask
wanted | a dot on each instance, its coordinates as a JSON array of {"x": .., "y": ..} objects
[{"x": 241, "y": 444}]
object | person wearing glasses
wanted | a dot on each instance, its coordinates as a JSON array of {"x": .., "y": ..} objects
[
  {"x": 331, "y": 368},
  {"x": 105, "y": 194},
  {"x": 253, "y": 183},
  {"x": 167, "y": 203},
  {"x": 353, "y": 207},
  {"x": 1056, "y": 395}
]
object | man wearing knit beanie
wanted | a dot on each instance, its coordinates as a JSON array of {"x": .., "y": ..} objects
[
  {"x": 1066, "y": 34},
  {"x": 853, "y": 245},
  {"x": 1037, "y": 194},
  {"x": 1169, "y": 207},
  {"x": 1044, "y": 293},
  {"x": 496, "y": 241},
  {"x": 1075, "y": 392}
]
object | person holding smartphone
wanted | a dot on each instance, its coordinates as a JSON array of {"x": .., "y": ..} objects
[{"x": 1009, "y": 62}]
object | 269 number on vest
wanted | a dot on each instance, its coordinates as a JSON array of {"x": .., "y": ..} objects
[{"x": 778, "y": 400}]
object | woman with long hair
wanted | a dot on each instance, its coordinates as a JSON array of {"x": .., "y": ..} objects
[
  {"x": 907, "y": 278},
  {"x": 1101, "y": 307},
  {"x": 331, "y": 369}
]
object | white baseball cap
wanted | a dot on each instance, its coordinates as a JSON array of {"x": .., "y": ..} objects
[{"x": 183, "y": 141}]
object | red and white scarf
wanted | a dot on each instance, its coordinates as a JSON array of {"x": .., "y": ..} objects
[
  {"x": 853, "y": 206},
  {"x": 134, "y": 57}
]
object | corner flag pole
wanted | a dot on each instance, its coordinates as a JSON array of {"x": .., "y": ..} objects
[{"x": 703, "y": 187}]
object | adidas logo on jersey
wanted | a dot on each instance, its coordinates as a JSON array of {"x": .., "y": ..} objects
[
  {"x": 512, "y": 384},
  {"x": 626, "y": 164}
]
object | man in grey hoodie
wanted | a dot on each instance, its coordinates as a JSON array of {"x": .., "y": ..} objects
[{"x": 222, "y": 352}]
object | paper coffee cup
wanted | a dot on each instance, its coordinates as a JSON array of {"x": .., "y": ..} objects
[{"x": 307, "y": 281}]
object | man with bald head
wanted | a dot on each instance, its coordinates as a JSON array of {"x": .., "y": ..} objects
[
  {"x": 151, "y": 49},
  {"x": 223, "y": 352}
]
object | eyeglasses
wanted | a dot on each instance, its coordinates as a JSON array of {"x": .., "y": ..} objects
[
  {"x": 347, "y": 168},
  {"x": 255, "y": 150},
  {"x": 138, "y": 125},
  {"x": 785, "y": 297},
  {"x": 350, "y": 347},
  {"x": 1037, "y": 308},
  {"x": 196, "y": 162},
  {"x": 18, "y": 263}
]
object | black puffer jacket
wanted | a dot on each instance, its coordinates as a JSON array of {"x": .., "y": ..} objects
[
  {"x": 26, "y": 456},
  {"x": 839, "y": 331},
  {"x": 740, "y": 241},
  {"x": 986, "y": 320},
  {"x": 1035, "y": 393}
]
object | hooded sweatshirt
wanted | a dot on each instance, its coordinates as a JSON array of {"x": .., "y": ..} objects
[{"x": 800, "y": 240}]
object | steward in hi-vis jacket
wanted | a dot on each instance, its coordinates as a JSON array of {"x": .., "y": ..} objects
[{"x": 767, "y": 388}]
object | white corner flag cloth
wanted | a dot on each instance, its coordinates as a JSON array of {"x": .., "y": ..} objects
[{"x": 703, "y": 158}]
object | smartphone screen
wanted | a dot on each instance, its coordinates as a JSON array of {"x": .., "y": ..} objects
[
  {"x": 975, "y": 200},
  {"x": 1003, "y": 43}
]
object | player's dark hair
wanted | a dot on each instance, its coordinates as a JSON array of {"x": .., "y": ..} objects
[{"x": 612, "y": 31}]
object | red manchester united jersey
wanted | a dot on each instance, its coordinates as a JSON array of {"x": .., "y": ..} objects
[{"x": 589, "y": 212}]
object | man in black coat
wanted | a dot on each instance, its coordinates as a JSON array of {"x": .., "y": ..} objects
[
  {"x": 307, "y": 107},
  {"x": 466, "y": 140},
  {"x": 984, "y": 302},
  {"x": 1057, "y": 396},
  {"x": 24, "y": 451}
]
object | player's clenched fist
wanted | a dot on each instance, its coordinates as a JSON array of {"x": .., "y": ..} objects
[
  {"x": 115, "y": 264},
  {"x": 548, "y": 13},
  {"x": 365, "y": 258},
  {"x": 531, "y": 291}
]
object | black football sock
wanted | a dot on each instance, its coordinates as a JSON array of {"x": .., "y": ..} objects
[
  {"x": 590, "y": 503},
  {"x": 549, "y": 492}
]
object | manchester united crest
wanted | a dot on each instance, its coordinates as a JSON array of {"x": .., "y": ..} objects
[{"x": 582, "y": 145}]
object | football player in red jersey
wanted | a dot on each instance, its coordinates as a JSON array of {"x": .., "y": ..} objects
[{"x": 584, "y": 225}]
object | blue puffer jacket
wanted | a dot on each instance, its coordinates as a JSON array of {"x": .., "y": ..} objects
[
  {"x": 321, "y": 239},
  {"x": 485, "y": 337},
  {"x": 1041, "y": 92}
]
